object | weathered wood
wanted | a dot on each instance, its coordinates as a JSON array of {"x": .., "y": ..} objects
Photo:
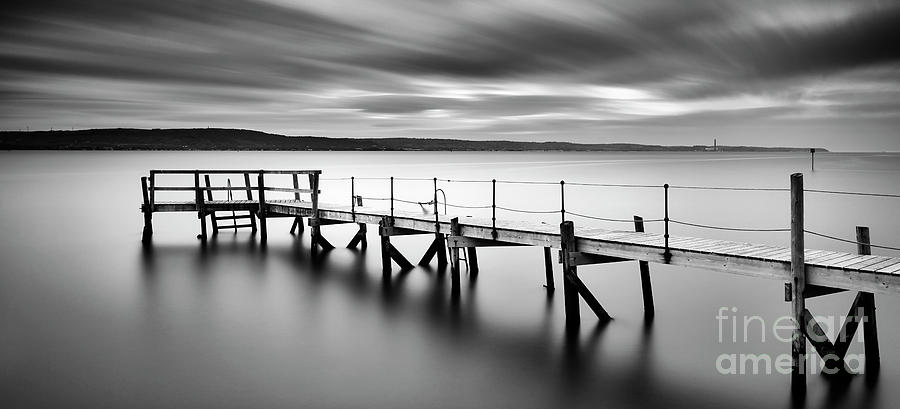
[
  {"x": 385, "y": 249},
  {"x": 454, "y": 256},
  {"x": 441, "y": 250},
  {"x": 570, "y": 291},
  {"x": 429, "y": 253},
  {"x": 548, "y": 269},
  {"x": 359, "y": 239},
  {"x": 646, "y": 286},
  {"x": 867, "y": 302},
  {"x": 577, "y": 258},
  {"x": 588, "y": 297},
  {"x": 461, "y": 241},
  {"x": 798, "y": 283},
  {"x": 212, "y": 214},
  {"x": 834, "y": 362},
  {"x": 147, "y": 209},
  {"x": 262, "y": 213},
  {"x": 315, "y": 229},
  {"x": 472, "y": 258},
  {"x": 201, "y": 213}
]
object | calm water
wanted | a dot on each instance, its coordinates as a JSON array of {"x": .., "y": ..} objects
[{"x": 89, "y": 319}]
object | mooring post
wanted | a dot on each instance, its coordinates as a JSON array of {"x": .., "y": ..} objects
[
  {"x": 454, "y": 255},
  {"x": 567, "y": 238},
  {"x": 798, "y": 284},
  {"x": 494, "y": 209},
  {"x": 870, "y": 328},
  {"x": 250, "y": 197},
  {"x": 646, "y": 287},
  {"x": 667, "y": 255},
  {"x": 548, "y": 269},
  {"x": 148, "y": 212},
  {"x": 198, "y": 199},
  {"x": 261, "y": 213}
]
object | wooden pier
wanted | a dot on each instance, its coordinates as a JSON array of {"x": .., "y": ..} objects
[{"x": 806, "y": 272}]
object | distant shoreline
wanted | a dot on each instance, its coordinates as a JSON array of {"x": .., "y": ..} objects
[{"x": 215, "y": 139}]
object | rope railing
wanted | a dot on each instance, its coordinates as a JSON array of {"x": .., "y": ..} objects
[
  {"x": 744, "y": 229},
  {"x": 850, "y": 241},
  {"x": 563, "y": 212}
]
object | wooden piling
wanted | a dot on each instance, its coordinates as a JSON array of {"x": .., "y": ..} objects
[
  {"x": 870, "y": 327},
  {"x": 250, "y": 197},
  {"x": 198, "y": 199},
  {"x": 385, "y": 247},
  {"x": 212, "y": 215},
  {"x": 454, "y": 255},
  {"x": 315, "y": 229},
  {"x": 473, "y": 259},
  {"x": 646, "y": 286},
  {"x": 548, "y": 269},
  {"x": 798, "y": 283},
  {"x": 359, "y": 239},
  {"x": 148, "y": 212},
  {"x": 570, "y": 291},
  {"x": 261, "y": 213}
]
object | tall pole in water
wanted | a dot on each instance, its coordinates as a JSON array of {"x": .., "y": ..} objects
[{"x": 812, "y": 159}]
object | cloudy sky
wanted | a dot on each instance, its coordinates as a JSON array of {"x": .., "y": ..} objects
[{"x": 753, "y": 72}]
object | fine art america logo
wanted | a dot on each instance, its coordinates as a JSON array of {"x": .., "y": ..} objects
[{"x": 753, "y": 328}]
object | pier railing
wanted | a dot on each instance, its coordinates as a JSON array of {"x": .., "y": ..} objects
[{"x": 665, "y": 218}]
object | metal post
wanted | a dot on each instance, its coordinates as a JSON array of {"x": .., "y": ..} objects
[
  {"x": 798, "y": 284},
  {"x": 812, "y": 159},
  {"x": 562, "y": 199},
  {"x": 437, "y": 221},
  {"x": 494, "y": 209},
  {"x": 392, "y": 197},
  {"x": 667, "y": 255},
  {"x": 353, "y": 197}
]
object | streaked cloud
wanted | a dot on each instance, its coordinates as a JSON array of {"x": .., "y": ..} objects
[{"x": 580, "y": 70}]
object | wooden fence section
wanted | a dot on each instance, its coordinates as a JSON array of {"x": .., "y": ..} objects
[{"x": 806, "y": 273}]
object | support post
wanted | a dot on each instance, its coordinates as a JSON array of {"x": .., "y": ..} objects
[
  {"x": 212, "y": 215},
  {"x": 870, "y": 328},
  {"x": 570, "y": 291},
  {"x": 548, "y": 269},
  {"x": 473, "y": 259},
  {"x": 798, "y": 283},
  {"x": 298, "y": 221},
  {"x": 261, "y": 213},
  {"x": 385, "y": 248},
  {"x": 315, "y": 230},
  {"x": 359, "y": 238},
  {"x": 454, "y": 255},
  {"x": 148, "y": 212},
  {"x": 198, "y": 199},
  {"x": 250, "y": 197},
  {"x": 646, "y": 286}
]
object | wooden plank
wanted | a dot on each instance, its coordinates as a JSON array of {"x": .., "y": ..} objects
[
  {"x": 835, "y": 261},
  {"x": 890, "y": 269},
  {"x": 865, "y": 264},
  {"x": 850, "y": 261}
]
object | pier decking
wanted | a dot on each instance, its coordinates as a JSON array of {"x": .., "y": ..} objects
[{"x": 806, "y": 272}]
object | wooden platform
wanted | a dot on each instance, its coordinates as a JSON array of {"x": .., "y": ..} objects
[{"x": 824, "y": 268}]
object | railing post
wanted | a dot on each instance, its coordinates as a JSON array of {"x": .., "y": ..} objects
[
  {"x": 152, "y": 191},
  {"x": 667, "y": 255},
  {"x": 353, "y": 197},
  {"x": 315, "y": 224},
  {"x": 392, "y": 197},
  {"x": 261, "y": 213},
  {"x": 437, "y": 221},
  {"x": 870, "y": 329},
  {"x": 798, "y": 283},
  {"x": 494, "y": 209},
  {"x": 562, "y": 200}
]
